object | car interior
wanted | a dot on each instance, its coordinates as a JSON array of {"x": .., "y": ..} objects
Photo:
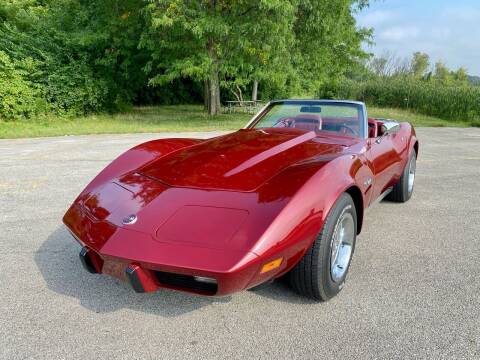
[
  {"x": 313, "y": 122},
  {"x": 374, "y": 128},
  {"x": 343, "y": 126}
]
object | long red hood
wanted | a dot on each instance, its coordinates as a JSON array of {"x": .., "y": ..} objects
[
  {"x": 241, "y": 161},
  {"x": 179, "y": 201}
]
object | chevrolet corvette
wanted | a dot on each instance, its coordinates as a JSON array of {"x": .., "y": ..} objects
[{"x": 283, "y": 197}]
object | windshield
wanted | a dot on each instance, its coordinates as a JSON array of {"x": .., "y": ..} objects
[{"x": 338, "y": 118}]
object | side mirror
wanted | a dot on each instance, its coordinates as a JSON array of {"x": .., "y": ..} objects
[{"x": 388, "y": 127}]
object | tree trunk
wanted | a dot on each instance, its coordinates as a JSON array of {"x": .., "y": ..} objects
[
  {"x": 240, "y": 96},
  {"x": 205, "y": 95},
  {"x": 217, "y": 96},
  {"x": 213, "y": 93},
  {"x": 214, "y": 105},
  {"x": 255, "y": 90}
]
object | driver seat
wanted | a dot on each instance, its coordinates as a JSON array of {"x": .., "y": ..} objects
[{"x": 308, "y": 122}]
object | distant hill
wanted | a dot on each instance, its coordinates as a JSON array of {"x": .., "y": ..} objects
[{"x": 475, "y": 80}]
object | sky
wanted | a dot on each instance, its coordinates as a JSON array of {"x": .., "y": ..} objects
[{"x": 449, "y": 31}]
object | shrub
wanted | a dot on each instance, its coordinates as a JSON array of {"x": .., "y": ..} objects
[
  {"x": 19, "y": 97},
  {"x": 72, "y": 89}
]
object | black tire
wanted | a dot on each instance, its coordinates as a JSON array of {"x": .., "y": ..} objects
[
  {"x": 401, "y": 191},
  {"x": 312, "y": 276}
]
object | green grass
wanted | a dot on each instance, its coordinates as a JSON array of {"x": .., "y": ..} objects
[{"x": 170, "y": 118}]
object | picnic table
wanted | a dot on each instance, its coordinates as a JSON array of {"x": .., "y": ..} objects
[{"x": 250, "y": 106}]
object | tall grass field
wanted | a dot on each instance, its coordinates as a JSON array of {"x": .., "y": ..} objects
[{"x": 450, "y": 102}]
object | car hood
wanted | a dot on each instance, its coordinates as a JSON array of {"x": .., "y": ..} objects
[{"x": 240, "y": 161}]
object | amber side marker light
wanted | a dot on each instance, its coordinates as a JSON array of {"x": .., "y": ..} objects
[{"x": 271, "y": 265}]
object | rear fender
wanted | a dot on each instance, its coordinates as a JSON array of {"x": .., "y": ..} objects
[
  {"x": 413, "y": 143},
  {"x": 408, "y": 132}
]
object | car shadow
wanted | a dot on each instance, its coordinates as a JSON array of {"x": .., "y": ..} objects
[
  {"x": 280, "y": 290},
  {"x": 58, "y": 262}
]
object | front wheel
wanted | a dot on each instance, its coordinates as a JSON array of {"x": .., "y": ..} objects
[{"x": 321, "y": 273}]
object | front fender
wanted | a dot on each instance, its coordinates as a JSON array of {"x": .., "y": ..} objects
[
  {"x": 298, "y": 224},
  {"x": 138, "y": 156}
]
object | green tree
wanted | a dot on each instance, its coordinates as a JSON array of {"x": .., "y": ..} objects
[
  {"x": 215, "y": 40},
  {"x": 297, "y": 44},
  {"x": 327, "y": 40},
  {"x": 442, "y": 73},
  {"x": 461, "y": 76},
  {"x": 419, "y": 64}
]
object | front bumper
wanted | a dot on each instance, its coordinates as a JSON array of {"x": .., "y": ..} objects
[
  {"x": 149, "y": 264},
  {"x": 148, "y": 277},
  {"x": 144, "y": 280}
]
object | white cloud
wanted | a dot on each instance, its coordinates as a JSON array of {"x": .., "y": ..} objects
[
  {"x": 440, "y": 32},
  {"x": 376, "y": 17},
  {"x": 399, "y": 33}
]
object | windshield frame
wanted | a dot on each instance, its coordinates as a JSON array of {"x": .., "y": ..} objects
[{"x": 360, "y": 105}]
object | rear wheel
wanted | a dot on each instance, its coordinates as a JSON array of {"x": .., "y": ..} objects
[
  {"x": 321, "y": 273},
  {"x": 403, "y": 190}
]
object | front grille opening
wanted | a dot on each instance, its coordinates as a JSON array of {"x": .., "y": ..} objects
[{"x": 197, "y": 284}]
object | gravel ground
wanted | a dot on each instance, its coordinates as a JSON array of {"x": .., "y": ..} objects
[{"x": 413, "y": 290}]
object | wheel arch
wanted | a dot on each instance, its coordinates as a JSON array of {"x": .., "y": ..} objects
[
  {"x": 356, "y": 194},
  {"x": 302, "y": 218}
]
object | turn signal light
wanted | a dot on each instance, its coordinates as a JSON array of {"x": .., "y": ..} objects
[{"x": 271, "y": 265}]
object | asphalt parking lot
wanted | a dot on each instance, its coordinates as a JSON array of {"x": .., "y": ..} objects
[{"x": 413, "y": 290}]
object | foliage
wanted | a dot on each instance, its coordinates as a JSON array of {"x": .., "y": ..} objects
[
  {"x": 389, "y": 81},
  {"x": 425, "y": 97},
  {"x": 327, "y": 41},
  {"x": 75, "y": 57},
  {"x": 19, "y": 97},
  {"x": 20, "y": 94},
  {"x": 419, "y": 65}
]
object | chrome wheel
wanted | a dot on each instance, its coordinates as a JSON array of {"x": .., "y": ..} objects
[
  {"x": 342, "y": 245},
  {"x": 411, "y": 174}
]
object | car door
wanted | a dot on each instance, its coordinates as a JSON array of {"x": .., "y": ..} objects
[{"x": 384, "y": 156}]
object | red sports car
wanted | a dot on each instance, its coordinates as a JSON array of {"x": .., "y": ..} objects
[{"x": 285, "y": 195}]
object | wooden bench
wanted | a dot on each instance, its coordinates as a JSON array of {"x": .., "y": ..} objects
[{"x": 249, "y": 107}]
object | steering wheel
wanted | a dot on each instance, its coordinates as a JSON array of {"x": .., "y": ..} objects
[
  {"x": 283, "y": 123},
  {"x": 344, "y": 130}
]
